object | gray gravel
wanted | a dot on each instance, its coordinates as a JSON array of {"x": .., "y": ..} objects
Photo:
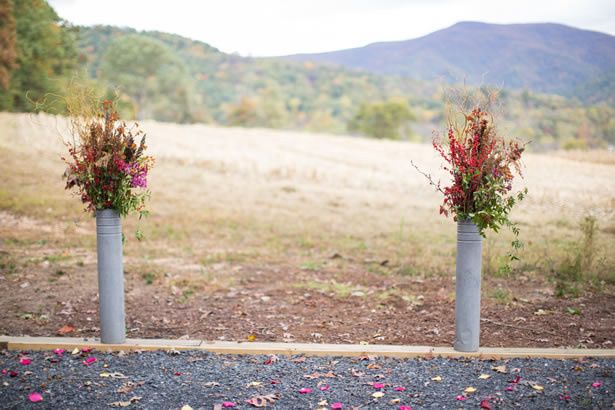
[{"x": 201, "y": 380}]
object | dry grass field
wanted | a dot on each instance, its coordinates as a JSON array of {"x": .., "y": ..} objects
[{"x": 297, "y": 236}]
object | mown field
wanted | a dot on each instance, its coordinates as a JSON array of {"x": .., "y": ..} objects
[{"x": 307, "y": 237}]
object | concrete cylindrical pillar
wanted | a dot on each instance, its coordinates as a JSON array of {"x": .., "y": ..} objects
[
  {"x": 110, "y": 276},
  {"x": 467, "y": 293}
]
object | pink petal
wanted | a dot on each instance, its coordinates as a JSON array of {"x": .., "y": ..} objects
[
  {"x": 337, "y": 405},
  {"x": 228, "y": 404},
  {"x": 4, "y": 371},
  {"x": 460, "y": 398},
  {"x": 596, "y": 384},
  {"x": 275, "y": 382},
  {"x": 25, "y": 361},
  {"x": 35, "y": 397},
  {"x": 89, "y": 361},
  {"x": 177, "y": 373},
  {"x": 400, "y": 388},
  {"x": 378, "y": 385},
  {"x": 86, "y": 350},
  {"x": 305, "y": 390},
  {"x": 405, "y": 408},
  {"x": 59, "y": 352},
  {"x": 510, "y": 388},
  {"x": 485, "y": 404},
  {"x": 325, "y": 387},
  {"x": 13, "y": 373}
]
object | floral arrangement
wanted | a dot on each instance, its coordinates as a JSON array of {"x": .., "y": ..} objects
[
  {"x": 481, "y": 165},
  {"x": 106, "y": 164}
]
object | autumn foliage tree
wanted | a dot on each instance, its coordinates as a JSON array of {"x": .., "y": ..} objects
[{"x": 8, "y": 54}]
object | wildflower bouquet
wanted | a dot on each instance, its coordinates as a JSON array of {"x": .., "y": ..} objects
[
  {"x": 481, "y": 164},
  {"x": 106, "y": 165}
]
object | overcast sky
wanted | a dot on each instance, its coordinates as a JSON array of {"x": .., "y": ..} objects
[{"x": 278, "y": 27}]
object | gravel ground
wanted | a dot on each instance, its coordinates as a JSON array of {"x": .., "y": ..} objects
[{"x": 170, "y": 380}]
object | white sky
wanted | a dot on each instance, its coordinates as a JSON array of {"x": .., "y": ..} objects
[{"x": 278, "y": 27}]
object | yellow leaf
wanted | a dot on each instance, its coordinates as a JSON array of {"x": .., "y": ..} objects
[
  {"x": 76, "y": 351},
  {"x": 484, "y": 376},
  {"x": 363, "y": 342},
  {"x": 323, "y": 403},
  {"x": 105, "y": 374},
  {"x": 378, "y": 395},
  {"x": 470, "y": 390},
  {"x": 437, "y": 379},
  {"x": 537, "y": 387},
  {"x": 499, "y": 369},
  {"x": 251, "y": 338},
  {"x": 186, "y": 407},
  {"x": 254, "y": 384},
  {"x": 395, "y": 401}
]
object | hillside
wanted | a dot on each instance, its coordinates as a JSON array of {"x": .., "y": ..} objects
[
  {"x": 276, "y": 93},
  {"x": 550, "y": 58}
]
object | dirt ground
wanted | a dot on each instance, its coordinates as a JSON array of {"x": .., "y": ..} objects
[{"x": 284, "y": 236}]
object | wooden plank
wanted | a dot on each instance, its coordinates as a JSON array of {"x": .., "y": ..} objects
[{"x": 308, "y": 349}]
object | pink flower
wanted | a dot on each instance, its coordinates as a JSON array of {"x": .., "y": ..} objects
[
  {"x": 596, "y": 384},
  {"x": 25, "y": 361},
  {"x": 35, "y": 397},
  {"x": 378, "y": 385},
  {"x": 228, "y": 404},
  {"x": 59, "y": 352},
  {"x": 460, "y": 398},
  {"x": 405, "y": 408},
  {"x": 337, "y": 405},
  {"x": 305, "y": 390},
  {"x": 325, "y": 387},
  {"x": 400, "y": 388},
  {"x": 89, "y": 361}
]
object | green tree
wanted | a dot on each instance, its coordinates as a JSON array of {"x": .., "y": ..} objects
[
  {"x": 45, "y": 49},
  {"x": 150, "y": 73},
  {"x": 8, "y": 53},
  {"x": 382, "y": 120}
]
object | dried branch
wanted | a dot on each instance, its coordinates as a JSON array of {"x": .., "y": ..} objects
[{"x": 428, "y": 177}]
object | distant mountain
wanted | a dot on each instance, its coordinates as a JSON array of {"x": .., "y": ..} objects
[{"x": 550, "y": 58}]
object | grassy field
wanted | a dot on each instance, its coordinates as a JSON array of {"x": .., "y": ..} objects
[{"x": 225, "y": 199}]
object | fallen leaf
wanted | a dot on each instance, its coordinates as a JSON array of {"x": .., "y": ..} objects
[
  {"x": 499, "y": 369},
  {"x": 75, "y": 351},
  {"x": 460, "y": 397},
  {"x": 323, "y": 403},
  {"x": 437, "y": 379},
  {"x": 373, "y": 366},
  {"x": 537, "y": 387},
  {"x": 485, "y": 404},
  {"x": 213, "y": 384},
  {"x": 186, "y": 407},
  {"x": 59, "y": 352},
  {"x": 114, "y": 375},
  {"x": 86, "y": 350},
  {"x": 89, "y": 361},
  {"x": 470, "y": 390},
  {"x": 129, "y": 387},
  {"x": 329, "y": 374},
  {"x": 263, "y": 401},
  {"x": 325, "y": 387},
  {"x": 378, "y": 385},
  {"x": 251, "y": 338},
  {"x": 377, "y": 395},
  {"x": 356, "y": 373},
  {"x": 312, "y": 376},
  {"x": 254, "y": 384},
  {"x": 66, "y": 329},
  {"x": 337, "y": 405},
  {"x": 395, "y": 401},
  {"x": 13, "y": 373},
  {"x": 35, "y": 397},
  {"x": 25, "y": 361},
  {"x": 541, "y": 312},
  {"x": 399, "y": 388},
  {"x": 484, "y": 376},
  {"x": 271, "y": 359},
  {"x": 596, "y": 384},
  {"x": 305, "y": 390},
  {"x": 299, "y": 359},
  {"x": 510, "y": 388},
  {"x": 405, "y": 408},
  {"x": 125, "y": 403},
  {"x": 227, "y": 404}
]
